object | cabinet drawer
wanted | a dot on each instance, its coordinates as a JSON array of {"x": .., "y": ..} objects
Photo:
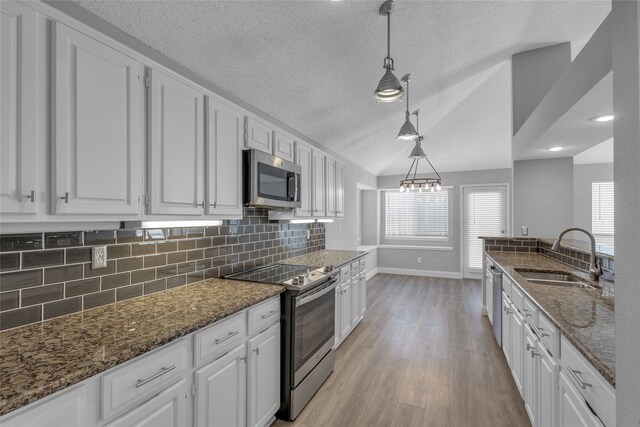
[
  {"x": 219, "y": 338},
  {"x": 517, "y": 296},
  {"x": 506, "y": 285},
  {"x": 264, "y": 315},
  {"x": 363, "y": 265},
  {"x": 355, "y": 268},
  {"x": 530, "y": 312},
  {"x": 345, "y": 273},
  {"x": 589, "y": 383},
  {"x": 549, "y": 335},
  {"x": 144, "y": 376}
]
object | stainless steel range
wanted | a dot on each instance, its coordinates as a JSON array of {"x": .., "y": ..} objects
[{"x": 308, "y": 326}]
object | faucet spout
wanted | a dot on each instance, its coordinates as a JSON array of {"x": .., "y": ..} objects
[{"x": 595, "y": 270}]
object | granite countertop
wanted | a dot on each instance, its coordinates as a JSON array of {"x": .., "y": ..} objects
[
  {"x": 585, "y": 316},
  {"x": 39, "y": 359},
  {"x": 325, "y": 257}
]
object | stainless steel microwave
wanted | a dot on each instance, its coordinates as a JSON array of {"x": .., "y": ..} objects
[{"x": 269, "y": 181}]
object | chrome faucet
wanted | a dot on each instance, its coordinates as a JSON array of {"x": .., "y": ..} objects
[{"x": 595, "y": 270}]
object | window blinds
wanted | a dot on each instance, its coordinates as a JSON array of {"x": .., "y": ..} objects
[
  {"x": 417, "y": 215},
  {"x": 602, "y": 215},
  {"x": 484, "y": 216}
]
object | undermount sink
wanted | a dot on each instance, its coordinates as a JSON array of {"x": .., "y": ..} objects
[{"x": 553, "y": 278}]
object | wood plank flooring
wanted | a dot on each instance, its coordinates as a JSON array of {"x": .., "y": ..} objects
[{"x": 422, "y": 356}]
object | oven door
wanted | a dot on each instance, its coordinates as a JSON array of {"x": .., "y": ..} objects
[{"x": 313, "y": 328}]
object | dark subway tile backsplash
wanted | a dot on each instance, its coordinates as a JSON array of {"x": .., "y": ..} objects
[{"x": 46, "y": 275}]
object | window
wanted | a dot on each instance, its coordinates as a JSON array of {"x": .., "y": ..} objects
[
  {"x": 602, "y": 215},
  {"x": 412, "y": 215},
  {"x": 485, "y": 214}
]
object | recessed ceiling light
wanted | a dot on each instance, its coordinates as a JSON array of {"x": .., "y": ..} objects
[
  {"x": 602, "y": 118},
  {"x": 555, "y": 148}
]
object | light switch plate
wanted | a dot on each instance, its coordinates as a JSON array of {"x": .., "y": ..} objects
[
  {"x": 99, "y": 257},
  {"x": 524, "y": 230}
]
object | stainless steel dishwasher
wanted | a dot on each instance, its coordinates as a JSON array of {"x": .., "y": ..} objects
[{"x": 497, "y": 303}]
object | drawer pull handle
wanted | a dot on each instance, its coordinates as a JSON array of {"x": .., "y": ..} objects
[
  {"x": 530, "y": 347},
  {"x": 231, "y": 334},
  {"x": 542, "y": 334},
  {"x": 271, "y": 313},
  {"x": 163, "y": 371},
  {"x": 526, "y": 312},
  {"x": 574, "y": 374}
]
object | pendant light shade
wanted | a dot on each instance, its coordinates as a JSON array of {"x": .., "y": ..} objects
[
  {"x": 407, "y": 131},
  {"x": 412, "y": 181},
  {"x": 389, "y": 89},
  {"x": 417, "y": 152}
]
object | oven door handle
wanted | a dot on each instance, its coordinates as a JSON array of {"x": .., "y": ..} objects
[{"x": 305, "y": 300}]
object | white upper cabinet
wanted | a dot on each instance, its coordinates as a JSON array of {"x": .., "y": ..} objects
[
  {"x": 332, "y": 210},
  {"x": 19, "y": 127},
  {"x": 319, "y": 183},
  {"x": 224, "y": 158},
  {"x": 258, "y": 135},
  {"x": 98, "y": 127},
  {"x": 283, "y": 146},
  {"x": 176, "y": 149},
  {"x": 304, "y": 159},
  {"x": 339, "y": 190}
]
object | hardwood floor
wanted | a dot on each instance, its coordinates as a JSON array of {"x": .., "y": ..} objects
[{"x": 422, "y": 356}]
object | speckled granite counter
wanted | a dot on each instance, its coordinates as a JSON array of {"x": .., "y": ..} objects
[
  {"x": 585, "y": 316},
  {"x": 325, "y": 257},
  {"x": 40, "y": 359}
]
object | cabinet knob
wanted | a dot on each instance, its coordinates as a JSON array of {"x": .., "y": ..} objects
[
  {"x": 65, "y": 197},
  {"x": 257, "y": 350},
  {"x": 213, "y": 204},
  {"x": 31, "y": 196},
  {"x": 201, "y": 205}
]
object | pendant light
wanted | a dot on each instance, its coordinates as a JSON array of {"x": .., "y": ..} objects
[
  {"x": 407, "y": 131},
  {"x": 412, "y": 183},
  {"x": 389, "y": 89}
]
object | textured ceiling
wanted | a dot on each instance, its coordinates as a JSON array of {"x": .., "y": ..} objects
[{"x": 314, "y": 64}]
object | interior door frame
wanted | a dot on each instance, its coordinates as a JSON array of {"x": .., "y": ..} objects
[{"x": 507, "y": 195}]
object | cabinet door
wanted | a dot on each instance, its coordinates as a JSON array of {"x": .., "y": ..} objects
[
  {"x": 331, "y": 188},
  {"x": 363, "y": 294},
  {"x": 304, "y": 159},
  {"x": 547, "y": 395},
  {"x": 221, "y": 391},
  {"x": 264, "y": 376},
  {"x": 224, "y": 159},
  {"x": 488, "y": 293},
  {"x": 20, "y": 129},
  {"x": 283, "y": 146},
  {"x": 531, "y": 359},
  {"x": 517, "y": 350},
  {"x": 339, "y": 190},
  {"x": 258, "y": 135},
  {"x": 98, "y": 127},
  {"x": 319, "y": 184},
  {"x": 573, "y": 410},
  {"x": 345, "y": 305},
  {"x": 338, "y": 316},
  {"x": 355, "y": 301},
  {"x": 177, "y": 146},
  {"x": 167, "y": 409},
  {"x": 506, "y": 329},
  {"x": 67, "y": 409}
]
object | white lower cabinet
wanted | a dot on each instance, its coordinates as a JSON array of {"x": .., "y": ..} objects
[
  {"x": 547, "y": 396},
  {"x": 67, "y": 409},
  {"x": 506, "y": 328},
  {"x": 573, "y": 409},
  {"x": 221, "y": 398},
  {"x": 167, "y": 409},
  {"x": 355, "y": 300},
  {"x": 517, "y": 350},
  {"x": 345, "y": 310},
  {"x": 531, "y": 382},
  {"x": 351, "y": 299},
  {"x": 263, "y": 377},
  {"x": 363, "y": 293}
]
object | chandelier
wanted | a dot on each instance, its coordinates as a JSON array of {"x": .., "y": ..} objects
[{"x": 412, "y": 182}]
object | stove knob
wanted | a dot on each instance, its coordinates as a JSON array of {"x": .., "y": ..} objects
[
  {"x": 301, "y": 278},
  {"x": 328, "y": 268},
  {"x": 294, "y": 281}
]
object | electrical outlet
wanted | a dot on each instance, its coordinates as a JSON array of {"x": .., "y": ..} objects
[
  {"x": 308, "y": 233},
  {"x": 524, "y": 230},
  {"x": 339, "y": 229},
  {"x": 419, "y": 260},
  {"x": 99, "y": 257}
]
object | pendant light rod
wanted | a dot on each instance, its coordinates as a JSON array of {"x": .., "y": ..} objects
[
  {"x": 405, "y": 79},
  {"x": 407, "y": 131},
  {"x": 417, "y": 114}
]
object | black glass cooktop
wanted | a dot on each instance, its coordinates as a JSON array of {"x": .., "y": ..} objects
[{"x": 275, "y": 273}]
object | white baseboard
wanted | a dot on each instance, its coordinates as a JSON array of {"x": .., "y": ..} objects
[
  {"x": 423, "y": 273},
  {"x": 372, "y": 273}
]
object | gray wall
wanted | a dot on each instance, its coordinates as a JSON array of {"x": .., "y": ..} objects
[
  {"x": 447, "y": 262},
  {"x": 369, "y": 217},
  {"x": 543, "y": 195},
  {"x": 583, "y": 176},
  {"x": 626, "y": 133}
]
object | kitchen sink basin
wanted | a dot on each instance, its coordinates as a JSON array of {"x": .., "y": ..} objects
[{"x": 553, "y": 278}]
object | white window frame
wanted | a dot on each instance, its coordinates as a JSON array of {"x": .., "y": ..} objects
[
  {"x": 596, "y": 235},
  {"x": 390, "y": 239}
]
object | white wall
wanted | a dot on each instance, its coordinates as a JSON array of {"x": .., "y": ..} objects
[
  {"x": 369, "y": 217},
  {"x": 437, "y": 262},
  {"x": 626, "y": 134},
  {"x": 583, "y": 176},
  {"x": 543, "y": 196}
]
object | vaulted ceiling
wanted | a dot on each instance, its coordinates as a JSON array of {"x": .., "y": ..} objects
[{"x": 314, "y": 64}]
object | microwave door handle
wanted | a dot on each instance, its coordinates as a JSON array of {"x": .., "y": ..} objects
[
  {"x": 296, "y": 178},
  {"x": 291, "y": 176}
]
